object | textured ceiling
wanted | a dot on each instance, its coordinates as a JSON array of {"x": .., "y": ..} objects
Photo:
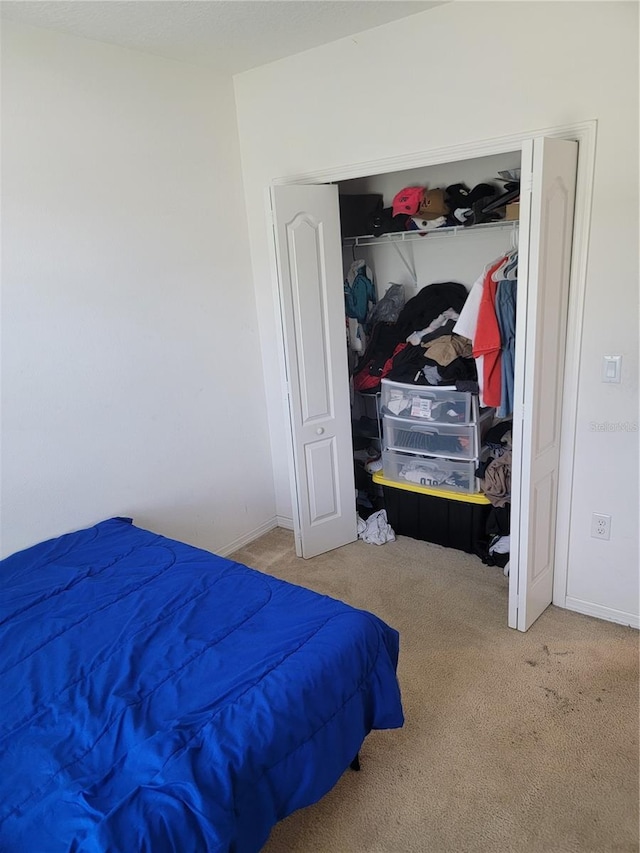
[{"x": 228, "y": 35}]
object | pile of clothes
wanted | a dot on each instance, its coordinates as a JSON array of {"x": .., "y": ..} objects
[
  {"x": 421, "y": 347},
  {"x": 494, "y": 473},
  {"x": 376, "y": 530}
]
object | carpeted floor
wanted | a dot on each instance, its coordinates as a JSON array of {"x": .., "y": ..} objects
[{"x": 512, "y": 742}]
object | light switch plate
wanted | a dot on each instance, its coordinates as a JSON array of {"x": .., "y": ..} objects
[{"x": 611, "y": 368}]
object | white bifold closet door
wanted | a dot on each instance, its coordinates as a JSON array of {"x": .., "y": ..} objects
[
  {"x": 309, "y": 258},
  {"x": 547, "y": 195}
]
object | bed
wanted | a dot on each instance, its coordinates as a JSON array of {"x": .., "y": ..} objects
[{"x": 156, "y": 697}]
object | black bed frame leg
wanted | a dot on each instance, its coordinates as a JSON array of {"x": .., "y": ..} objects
[{"x": 355, "y": 764}]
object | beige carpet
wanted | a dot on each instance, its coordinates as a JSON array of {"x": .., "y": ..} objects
[{"x": 512, "y": 742}]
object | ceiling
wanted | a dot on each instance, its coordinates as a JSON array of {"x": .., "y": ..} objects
[{"x": 228, "y": 35}]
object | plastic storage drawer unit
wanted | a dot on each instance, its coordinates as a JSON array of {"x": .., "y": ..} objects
[
  {"x": 455, "y": 474},
  {"x": 427, "y": 403},
  {"x": 445, "y": 518},
  {"x": 456, "y": 442}
]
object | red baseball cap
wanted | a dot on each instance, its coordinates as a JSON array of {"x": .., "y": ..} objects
[{"x": 408, "y": 200}]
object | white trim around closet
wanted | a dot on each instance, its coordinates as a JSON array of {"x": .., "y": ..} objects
[{"x": 585, "y": 134}]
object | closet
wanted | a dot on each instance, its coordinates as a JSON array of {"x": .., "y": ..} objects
[
  {"x": 448, "y": 246},
  {"x": 312, "y": 260}
]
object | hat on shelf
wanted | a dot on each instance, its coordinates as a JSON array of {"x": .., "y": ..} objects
[
  {"x": 386, "y": 223},
  {"x": 421, "y": 223},
  {"x": 467, "y": 205},
  {"x": 408, "y": 200},
  {"x": 433, "y": 205}
]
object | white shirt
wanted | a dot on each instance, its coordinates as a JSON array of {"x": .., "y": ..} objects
[{"x": 467, "y": 324}]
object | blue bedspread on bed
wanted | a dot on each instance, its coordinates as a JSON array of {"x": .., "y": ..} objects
[{"x": 158, "y": 698}]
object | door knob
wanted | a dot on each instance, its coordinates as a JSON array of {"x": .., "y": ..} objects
[{"x": 320, "y": 430}]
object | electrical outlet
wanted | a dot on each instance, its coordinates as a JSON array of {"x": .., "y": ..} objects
[{"x": 600, "y": 526}]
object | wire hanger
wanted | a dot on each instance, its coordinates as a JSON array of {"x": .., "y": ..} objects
[
  {"x": 511, "y": 270},
  {"x": 503, "y": 260},
  {"x": 498, "y": 275},
  {"x": 510, "y": 259}
]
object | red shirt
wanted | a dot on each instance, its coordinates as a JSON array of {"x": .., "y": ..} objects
[{"x": 487, "y": 340}]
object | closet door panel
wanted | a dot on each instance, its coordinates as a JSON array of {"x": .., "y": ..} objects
[
  {"x": 308, "y": 254},
  {"x": 546, "y": 226}
]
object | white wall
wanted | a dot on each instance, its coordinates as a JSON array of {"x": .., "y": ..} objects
[
  {"x": 131, "y": 374},
  {"x": 473, "y": 71}
]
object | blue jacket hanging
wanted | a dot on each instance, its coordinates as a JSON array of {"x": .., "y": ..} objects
[{"x": 359, "y": 291}]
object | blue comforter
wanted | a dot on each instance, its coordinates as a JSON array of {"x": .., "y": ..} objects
[{"x": 158, "y": 698}]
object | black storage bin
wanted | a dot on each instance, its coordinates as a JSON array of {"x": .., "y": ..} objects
[
  {"x": 357, "y": 213},
  {"x": 453, "y": 523}
]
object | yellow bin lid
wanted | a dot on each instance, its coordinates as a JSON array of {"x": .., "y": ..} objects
[{"x": 465, "y": 497}]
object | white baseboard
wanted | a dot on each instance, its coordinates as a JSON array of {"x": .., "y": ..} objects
[
  {"x": 251, "y": 536},
  {"x": 256, "y": 533},
  {"x": 600, "y": 612}
]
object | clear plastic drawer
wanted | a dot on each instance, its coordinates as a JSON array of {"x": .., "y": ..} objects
[
  {"x": 449, "y": 474},
  {"x": 433, "y": 439},
  {"x": 428, "y": 403}
]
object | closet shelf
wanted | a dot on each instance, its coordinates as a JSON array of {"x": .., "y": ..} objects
[{"x": 449, "y": 231}]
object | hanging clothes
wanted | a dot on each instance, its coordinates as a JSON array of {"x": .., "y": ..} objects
[
  {"x": 359, "y": 291},
  {"x": 487, "y": 340},
  {"x": 359, "y": 298},
  {"x": 467, "y": 324},
  {"x": 488, "y": 319},
  {"x": 478, "y": 322},
  {"x": 506, "y": 314}
]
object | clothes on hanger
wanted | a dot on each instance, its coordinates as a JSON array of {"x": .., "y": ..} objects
[
  {"x": 467, "y": 324},
  {"x": 506, "y": 314},
  {"x": 359, "y": 298},
  {"x": 359, "y": 291},
  {"x": 488, "y": 319},
  {"x": 487, "y": 340},
  {"x": 355, "y": 335}
]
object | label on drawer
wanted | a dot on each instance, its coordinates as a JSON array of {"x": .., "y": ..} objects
[{"x": 421, "y": 408}]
